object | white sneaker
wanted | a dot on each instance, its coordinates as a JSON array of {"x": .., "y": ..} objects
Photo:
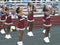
[
  {"x": 44, "y": 31},
  {"x": 27, "y": 28},
  {"x": 49, "y": 33},
  {"x": 20, "y": 43},
  {"x": 2, "y": 31},
  {"x": 30, "y": 34},
  {"x": 12, "y": 28},
  {"x": 8, "y": 36},
  {"x": 46, "y": 40}
]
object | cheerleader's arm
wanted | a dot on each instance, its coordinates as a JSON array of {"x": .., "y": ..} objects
[
  {"x": 25, "y": 15},
  {"x": 43, "y": 20}
]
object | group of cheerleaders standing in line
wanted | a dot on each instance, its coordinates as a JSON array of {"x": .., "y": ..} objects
[{"x": 6, "y": 19}]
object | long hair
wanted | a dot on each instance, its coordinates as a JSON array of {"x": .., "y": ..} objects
[
  {"x": 29, "y": 4},
  {"x": 45, "y": 8},
  {"x": 33, "y": 8},
  {"x": 6, "y": 8},
  {"x": 17, "y": 10}
]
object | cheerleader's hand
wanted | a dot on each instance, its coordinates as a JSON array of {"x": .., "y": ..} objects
[{"x": 24, "y": 16}]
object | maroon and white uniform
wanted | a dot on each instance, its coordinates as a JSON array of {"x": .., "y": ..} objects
[
  {"x": 30, "y": 16},
  {"x": 21, "y": 22},
  {"x": 2, "y": 18},
  {"x": 46, "y": 20},
  {"x": 8, "y": 20}
]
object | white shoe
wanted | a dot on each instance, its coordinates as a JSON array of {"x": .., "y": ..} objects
[
  {"x": 12, "y": 28},
  {"x": 46, "y": 40},
  {"x": 2, "y": 31},
  {"x": 27, "y": 28},
  {"x": 49, "y": 33},
  {"x": 44, "y": 31},
  {"x": 8, "y": 36},
  {"x": 30, "y": 34},
  {"x": 20, "y": 43}
]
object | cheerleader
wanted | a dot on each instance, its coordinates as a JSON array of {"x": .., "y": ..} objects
[
  {"x": 30, "y": 19},
  {"x": 47, "y": 24},
  {"x": 2, "y": 18},
  {"x": 21, "y": 27},
  {"x": 8, "y": 23}
]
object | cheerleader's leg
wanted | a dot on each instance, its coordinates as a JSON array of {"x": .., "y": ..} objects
[
  {"x": 7, "y": 29},
  {"x": 46, "y": 39},
  {"x": 3, "y": 29},
  {"x": 44, "y": 30},
  {"x": 30, "y": 33},
  {"x": 20, "y": 42},
  {"x": 28, "y": 26},
  {"x": 47, "y": 31}
]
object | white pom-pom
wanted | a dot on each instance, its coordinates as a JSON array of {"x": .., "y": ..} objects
[{"x": 49, "y": 6}]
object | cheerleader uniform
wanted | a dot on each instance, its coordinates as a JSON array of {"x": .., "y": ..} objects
[
  {"x": 8, "y": 20},
  {"x": 21, "y": 22},
  {"x": 46, "y": 20},
  {"x": 30, "y": 20},
  {"x": 30, "y": 16},
  {"x": 8, "y": 23},
  {"x": 2, "y": 18}
]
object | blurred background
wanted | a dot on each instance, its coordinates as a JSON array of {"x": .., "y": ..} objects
[{"x": 13, "y": 4}]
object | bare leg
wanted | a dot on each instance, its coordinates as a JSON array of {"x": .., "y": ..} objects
[
  {"x": 21, "y": 35},
  {"x": 47, "y": 31},
  {"x": 20, "y": 42},
  {"x": 30, "y": 33},
  {"x": 7, "y": 29},
  {"x": 3, "y": 29},
  {"x": 30, "y": 26}
]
